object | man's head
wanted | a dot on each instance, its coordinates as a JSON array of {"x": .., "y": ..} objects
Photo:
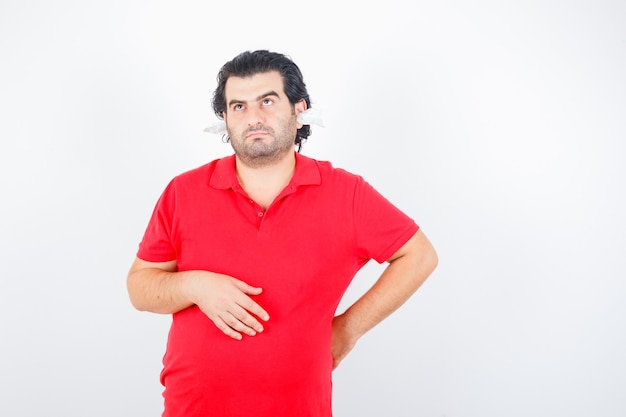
[{"x": 250, "y": 63}]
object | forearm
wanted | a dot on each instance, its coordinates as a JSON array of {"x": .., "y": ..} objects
[
  {"x": 158, "y": 290},
  {"x": 158, "y": 287},
  {"x": 402, "y": 277}
]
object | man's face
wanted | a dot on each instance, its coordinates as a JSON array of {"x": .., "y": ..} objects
[{"x": 260, "y": 120}]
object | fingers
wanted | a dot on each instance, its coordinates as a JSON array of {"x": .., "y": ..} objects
[
  {"x": 226, "y": 329},
  {"x": 242, "y": 321},
  {"x": 343, "y": 340},
  {"x": 247, "y": 304},
  {"x": 233, "y": 311},
  {"x": 237, "y": 322},
  {"x": 247, "y": 288},
  {"x": 233, "y": 327}
]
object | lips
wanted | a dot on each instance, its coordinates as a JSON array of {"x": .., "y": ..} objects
[{"x": 257, "y": 133}]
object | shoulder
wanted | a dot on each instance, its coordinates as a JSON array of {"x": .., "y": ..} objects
[
  {"x": 331, "y": 173},
  {"x": 197, "y": 173},
  {"x": 202, "y": 175}
]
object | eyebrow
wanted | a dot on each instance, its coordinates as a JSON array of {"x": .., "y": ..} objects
[{"x": 259, "y": 98}]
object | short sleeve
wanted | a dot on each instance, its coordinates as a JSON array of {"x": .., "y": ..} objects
[
  {"x": 157, "y": 244},
  {"x": 380, "y": 227}
]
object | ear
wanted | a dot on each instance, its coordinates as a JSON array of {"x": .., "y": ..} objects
[
  {"x": 299, "y": 107},
  {"x": 224, "y": 116}
]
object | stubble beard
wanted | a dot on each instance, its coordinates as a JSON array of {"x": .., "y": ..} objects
[{"x": 257, "y": 153}]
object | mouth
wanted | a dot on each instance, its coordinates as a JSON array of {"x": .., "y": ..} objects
[{"x": 257, "y": 134}]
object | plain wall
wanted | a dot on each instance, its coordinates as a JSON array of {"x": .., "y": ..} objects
[{"x": 498, "y": 125}]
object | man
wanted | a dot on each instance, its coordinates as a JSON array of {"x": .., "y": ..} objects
[{"x": 252, "y": 253}]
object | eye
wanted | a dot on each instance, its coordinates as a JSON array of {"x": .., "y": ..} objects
[
  {"x": 267, "y": 101},
  {"x": 238, "y": 107}
]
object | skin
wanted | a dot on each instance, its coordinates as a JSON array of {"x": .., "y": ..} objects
[
  {"x": 252, "y": 102},
  {"x": 262, "y": 124}
]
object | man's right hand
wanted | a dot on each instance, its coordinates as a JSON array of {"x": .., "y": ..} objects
[
  {"x": 158, "y": 287},
  {"x": 227, "y": 302}
]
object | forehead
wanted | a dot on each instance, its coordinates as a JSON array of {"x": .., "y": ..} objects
[{"x": 252, "y": 87}]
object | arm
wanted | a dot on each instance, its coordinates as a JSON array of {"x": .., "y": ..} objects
[
  {"x": 158, "y": 287},
  {"x": 408, "y": 268}
]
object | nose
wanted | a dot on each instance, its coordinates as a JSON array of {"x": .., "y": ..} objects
[{"x": 255, "y": 116}]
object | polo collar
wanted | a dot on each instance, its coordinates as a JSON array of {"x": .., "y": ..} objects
[{"x": 225, "y": 176}]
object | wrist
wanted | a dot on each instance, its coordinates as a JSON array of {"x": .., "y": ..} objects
[{"x": 348, "y": 326}]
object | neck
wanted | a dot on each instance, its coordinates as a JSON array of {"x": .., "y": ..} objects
[{"x": 264, "y": 183}]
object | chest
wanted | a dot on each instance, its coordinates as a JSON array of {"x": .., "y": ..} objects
[{"x": 228, "y": 232}]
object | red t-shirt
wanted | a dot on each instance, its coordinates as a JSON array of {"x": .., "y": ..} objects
[{"x": 303, "y": 251}]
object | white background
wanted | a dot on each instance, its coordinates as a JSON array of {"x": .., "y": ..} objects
[{"x": 498, "y": 125}]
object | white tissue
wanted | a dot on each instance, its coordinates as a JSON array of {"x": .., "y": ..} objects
[
  {"x": 311, "y": 116},
  {"x": 218, "y": 128}
]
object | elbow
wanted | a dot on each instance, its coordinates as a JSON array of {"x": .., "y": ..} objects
[
  {"x": 433, "y": 259},
  {"x": 134, "y": 293},
  {"x": 136, "y": 304},
  {"x": 427, "y": 259}
]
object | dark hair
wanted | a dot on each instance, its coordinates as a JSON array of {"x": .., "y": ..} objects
[{"x": 250, "y": 63}]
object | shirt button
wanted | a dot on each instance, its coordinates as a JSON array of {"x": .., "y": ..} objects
[{"x": 260, "y": 214}]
